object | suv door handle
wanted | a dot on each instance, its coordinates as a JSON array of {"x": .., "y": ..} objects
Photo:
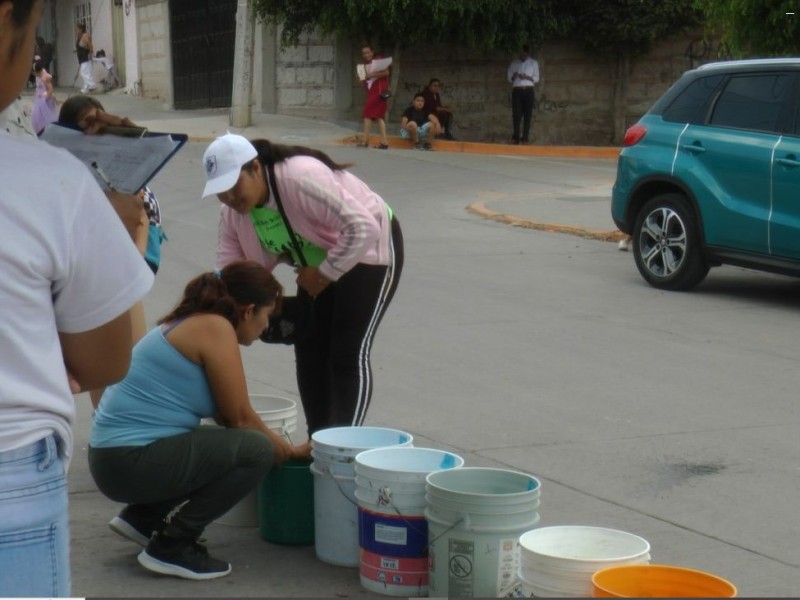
[
  {"x": 693, "y": 148},
  {"x": 790, "y": 161}
]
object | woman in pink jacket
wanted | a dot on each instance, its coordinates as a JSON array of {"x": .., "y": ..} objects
[{"x": 351, "y": 242}]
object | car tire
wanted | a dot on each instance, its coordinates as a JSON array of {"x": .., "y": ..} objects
[{"x": 667, "y": 245}]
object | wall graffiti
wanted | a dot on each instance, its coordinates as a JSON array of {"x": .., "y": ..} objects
[
  {"x": 700, "y": 51},
  {"x": 543, "y": 104}
]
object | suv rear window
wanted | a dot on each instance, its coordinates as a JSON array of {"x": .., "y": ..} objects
[
  {"x": 752, "y": 102},
  {"x": 691, "y": 104}
]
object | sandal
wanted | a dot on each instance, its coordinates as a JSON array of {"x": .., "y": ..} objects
[
  {"x": 362, "y": 145},
  {"x": 382, "y": 146}
]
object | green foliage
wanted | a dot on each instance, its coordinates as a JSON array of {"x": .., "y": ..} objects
[
  {"x": 626, "y": 27},
  {"x": 482, "y": 24},
  {"x": 755, "y": 27}
]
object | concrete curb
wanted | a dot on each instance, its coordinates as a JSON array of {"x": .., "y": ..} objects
[
  {"x": 479, "y": 208},
  {"x": 500, "y": 149}
]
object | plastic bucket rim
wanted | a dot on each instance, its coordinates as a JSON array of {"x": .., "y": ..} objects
[
  {"x": 318, "y": 442},
  {"x": 366, "y": 455},
  {"x": 463, "y": 471},
  {"x": 666, "y": 569},
  {"x": 524, "y": 550}
]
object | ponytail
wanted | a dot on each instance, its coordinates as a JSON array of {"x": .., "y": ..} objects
[
  {"x": 223, "y": 292},
  {"x": 269, "y": 154}
]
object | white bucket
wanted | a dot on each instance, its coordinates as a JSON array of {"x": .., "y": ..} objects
[
  {"x": 335, "y": 511},
  {"x": 561, "y": 560},
  {"x": 393, "y": 532},
  {"x": 475, "y": 517},
  {"x": 279, "y": 415}
]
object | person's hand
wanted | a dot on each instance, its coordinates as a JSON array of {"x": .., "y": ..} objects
[
  {"x": 302, "y": 451},
  {"x": 129, "y": 208},
  {"x": 311, "y": 280},
  {"x": 283, "y": 451}
]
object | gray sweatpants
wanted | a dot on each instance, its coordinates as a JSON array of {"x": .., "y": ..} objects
[{"x": 211, "y": 467}]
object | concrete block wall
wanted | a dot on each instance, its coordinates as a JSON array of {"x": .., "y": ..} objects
[
  {"x": 305, "y": 78},
  {"x": 154, "y": 50},
  {"x": 574, "y": 95}
]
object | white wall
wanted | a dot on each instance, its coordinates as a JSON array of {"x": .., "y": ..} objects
[{"x": 131, "y": 49}]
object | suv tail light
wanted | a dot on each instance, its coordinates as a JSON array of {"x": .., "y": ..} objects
[{"x": 634, "y": 135}]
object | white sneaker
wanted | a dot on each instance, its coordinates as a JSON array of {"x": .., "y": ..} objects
[{"x": 624, "y": 245}]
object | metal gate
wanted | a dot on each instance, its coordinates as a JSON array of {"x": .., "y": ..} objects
[{"x": 203, "y": 38}]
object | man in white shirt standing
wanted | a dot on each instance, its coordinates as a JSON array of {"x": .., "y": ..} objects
[{"x": 523, "y": 73}]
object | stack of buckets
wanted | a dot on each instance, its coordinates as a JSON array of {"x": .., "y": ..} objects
[
  {"x": 279, "y": 415},
  {"x": 559, "y": 561},
  {"x": 393, "y": 531},
  {"x": 334, "y": 452},
  {"x": 475, "y": 518}
]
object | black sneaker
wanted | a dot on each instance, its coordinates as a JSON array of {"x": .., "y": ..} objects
[
  {"x": 182, "y": 558},
  {"x": 132, "y": 524}
]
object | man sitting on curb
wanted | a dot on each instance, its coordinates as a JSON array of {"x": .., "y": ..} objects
[
  {"x": 433, "y": 103},
  {"x": 419, "y": 124}
]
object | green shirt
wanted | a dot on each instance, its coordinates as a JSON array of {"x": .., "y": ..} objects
[{"x": 274, "y": 237}]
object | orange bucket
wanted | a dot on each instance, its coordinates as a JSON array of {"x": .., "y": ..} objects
[{"x": 659, "y": 581}]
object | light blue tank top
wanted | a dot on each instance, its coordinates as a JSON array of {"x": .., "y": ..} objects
[{"x": 164, "y": 394}]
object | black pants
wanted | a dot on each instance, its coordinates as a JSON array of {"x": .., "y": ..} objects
[
  {"x": 334, "y": 374},
  {"x": 522, "y": 100},
  {"x": 211, "y": 467}
]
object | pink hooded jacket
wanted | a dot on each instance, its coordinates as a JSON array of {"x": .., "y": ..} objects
[{"x": 334, "y": 210}]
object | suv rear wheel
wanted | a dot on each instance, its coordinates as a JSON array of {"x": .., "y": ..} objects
[{"x": 667, "y": 244}]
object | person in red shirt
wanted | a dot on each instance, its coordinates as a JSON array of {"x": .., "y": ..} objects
[{"x": 433, "y": 103}]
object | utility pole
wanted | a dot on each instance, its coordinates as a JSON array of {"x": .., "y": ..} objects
[{"x": 242, "y": 93}]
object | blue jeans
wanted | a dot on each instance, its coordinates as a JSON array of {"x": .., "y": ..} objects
[{"x": 34, "y": 524}]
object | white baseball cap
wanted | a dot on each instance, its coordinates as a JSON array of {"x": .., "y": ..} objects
[{"x": 223, "y": 161}]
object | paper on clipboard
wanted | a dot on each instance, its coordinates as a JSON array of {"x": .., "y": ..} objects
[{"x": 128, "y": 163}]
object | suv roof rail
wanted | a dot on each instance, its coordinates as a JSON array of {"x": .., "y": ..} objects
[{"x": 750, "y": 62}]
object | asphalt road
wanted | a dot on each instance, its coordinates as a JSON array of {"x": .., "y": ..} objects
[{"x": 669, "y": 415}]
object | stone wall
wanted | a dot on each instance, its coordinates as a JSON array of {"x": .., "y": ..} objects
[{"x": 574, "y": 95}]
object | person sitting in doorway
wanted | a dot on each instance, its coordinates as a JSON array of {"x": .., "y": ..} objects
[
  {"x": 433, "y": 103},
  {"x": 111, "y": 79},
  {"x": 418, "y": 124}
]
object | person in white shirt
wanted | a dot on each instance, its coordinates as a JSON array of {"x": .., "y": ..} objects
[
  {"x": 70, "y": 277},
  {"x": 523, "y": 74}
]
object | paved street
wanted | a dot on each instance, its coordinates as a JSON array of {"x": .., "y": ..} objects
[{"x": 668, "y": 415}]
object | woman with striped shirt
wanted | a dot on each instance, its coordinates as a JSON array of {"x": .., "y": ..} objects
[{"x": 351, "y": 242}]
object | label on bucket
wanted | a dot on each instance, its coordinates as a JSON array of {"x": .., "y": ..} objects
[
  {"x": 392, "y": 535},
  {"x": 507, "y": 566},
  {"x": 460, "y": 567}
]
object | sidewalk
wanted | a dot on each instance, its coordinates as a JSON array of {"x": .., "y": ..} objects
[{"x": 570, "y": 214}]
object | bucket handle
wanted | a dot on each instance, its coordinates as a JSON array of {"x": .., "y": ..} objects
[
  {"x": 463, "y": 519},
  {"x": 329, "y": 471},
  {"x": 385, "y": 498}
]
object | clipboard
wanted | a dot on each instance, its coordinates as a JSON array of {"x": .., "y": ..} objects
[{"x": 125, "y": 164}]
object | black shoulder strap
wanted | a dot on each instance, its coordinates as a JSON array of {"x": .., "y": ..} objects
[{"x": 274, "y": 188}]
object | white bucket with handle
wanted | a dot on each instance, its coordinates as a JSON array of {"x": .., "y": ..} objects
[
  {"x": 334, "y": 452},
  {"x": 279, "y": 414}
]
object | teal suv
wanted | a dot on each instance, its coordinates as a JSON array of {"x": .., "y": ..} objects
[{"x": 711, "y": 174}]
